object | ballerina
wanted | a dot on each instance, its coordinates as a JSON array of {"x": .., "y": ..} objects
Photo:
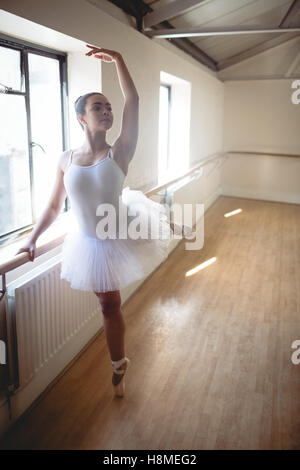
[{"x": 91, "y": 176}]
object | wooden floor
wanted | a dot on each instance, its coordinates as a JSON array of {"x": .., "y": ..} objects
[{"x": 210, "y": 354}]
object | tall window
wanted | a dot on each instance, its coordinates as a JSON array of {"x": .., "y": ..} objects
[
  {"x": 174, "y": 127},
  {"x": 33, "y": 131},
  {"x": 164, "y": 130}
]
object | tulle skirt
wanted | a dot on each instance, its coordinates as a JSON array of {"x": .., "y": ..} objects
[{"x": 101, "y": 265}]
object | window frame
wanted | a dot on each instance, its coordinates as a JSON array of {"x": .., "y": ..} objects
[{"x": 25, "y": 47}]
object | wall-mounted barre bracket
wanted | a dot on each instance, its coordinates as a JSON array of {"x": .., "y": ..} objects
[{"x": 3, "y": 290}]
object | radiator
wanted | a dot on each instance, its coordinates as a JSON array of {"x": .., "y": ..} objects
[{"x": 50, "y": 323}]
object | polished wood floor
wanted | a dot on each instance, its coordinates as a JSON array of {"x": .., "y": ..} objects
[{"x": 210, "y": 354}]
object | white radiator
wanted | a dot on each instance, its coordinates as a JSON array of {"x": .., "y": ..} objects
[{"x": 51, "y": 323}]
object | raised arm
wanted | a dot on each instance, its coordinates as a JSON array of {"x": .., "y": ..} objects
[
  {"x": 127, "y": 140},
  {"x": 125, "y": 144}
]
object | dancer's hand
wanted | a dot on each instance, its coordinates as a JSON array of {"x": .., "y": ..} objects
[
  {"x": 30, "y": 247},
  {"x": 105, "y": 54}
]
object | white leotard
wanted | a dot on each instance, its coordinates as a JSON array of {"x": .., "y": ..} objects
[{"x": 91, "y": 185}]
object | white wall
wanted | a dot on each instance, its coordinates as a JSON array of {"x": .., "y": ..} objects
[{"x": 259, "y": 116}]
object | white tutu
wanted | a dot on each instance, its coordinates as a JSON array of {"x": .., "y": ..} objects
[{"x": 101, "y": 265}]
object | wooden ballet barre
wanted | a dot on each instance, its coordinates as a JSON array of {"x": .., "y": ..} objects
[
  {"x": 203, "y": 162},
  {"x": 23, "y": 258},
  {"x": 272, "y": 154}
]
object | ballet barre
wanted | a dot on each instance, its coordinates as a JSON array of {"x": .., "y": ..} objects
[{"x": 23, "y": 258}]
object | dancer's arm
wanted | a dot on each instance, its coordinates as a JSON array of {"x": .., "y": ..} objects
[
  {"x": 50, "y": 213},
  {"x": 126, "y": 83},
  {"x": 125, "y": 145},
  {"x": 54, "y": 205}
]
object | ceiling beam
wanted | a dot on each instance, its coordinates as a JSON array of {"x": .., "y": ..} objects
[
  {"x": 235, "y": 59},
  {"x": 191, "y": 49},
  {"x": 194, "y": 51},
  {"x": 135, "y": 8},
  {"x": 222, "y": 30},
  {"x": 165, "y": 12},
  {"x": 285, "y": 23}
]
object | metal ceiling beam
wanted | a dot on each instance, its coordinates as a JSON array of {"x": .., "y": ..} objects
[
  {"x": 194, "y": 51},
  {"x": 285, "y": 23},
  {"x": 135, "y": 8},
  {"x": 191, "y": 49},
  {"x": 235, "y": 59},
  {"x": 223, "y": 30},
  {"x": 165, "y": 12}
]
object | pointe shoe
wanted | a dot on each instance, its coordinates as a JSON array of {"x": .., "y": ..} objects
[
  {"x": 119, "y": 389},
  {"x": 188, "y": 232},
  {"x": 184, "y": 230}
]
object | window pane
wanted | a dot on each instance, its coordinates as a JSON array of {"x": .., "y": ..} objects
[
  {"x": 163, "y": 134},
  {"x": 46, "y": 125},
  {"x": 15, "y": 204},
  {"x": 10, "y": 73}
]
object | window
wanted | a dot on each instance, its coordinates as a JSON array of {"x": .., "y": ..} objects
[
  {"x": 164, "y": 128},
  {"x": 33, "y": 131},
  {"x": 174, "y": 127}
]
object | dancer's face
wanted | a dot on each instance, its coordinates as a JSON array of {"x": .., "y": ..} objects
[{"x": 98, "y": 113}]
